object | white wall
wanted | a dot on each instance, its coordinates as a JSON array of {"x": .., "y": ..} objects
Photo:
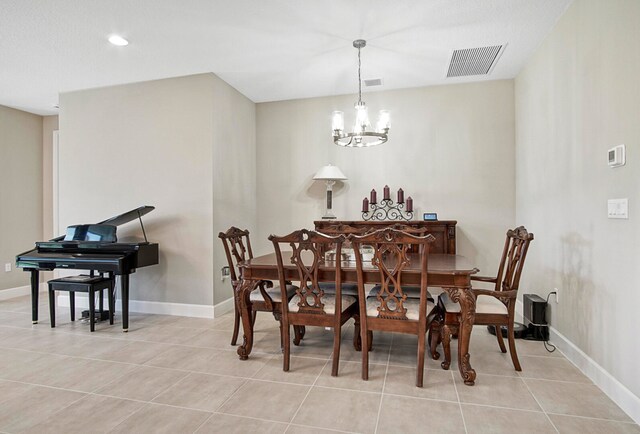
[
  {"x": 20, "y": 190},
  {"x": 577, "y": 97},
  {"x": 451, "y": 148}
]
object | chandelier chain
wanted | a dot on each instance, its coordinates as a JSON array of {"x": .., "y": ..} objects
[{"x": 359, "y": 80}]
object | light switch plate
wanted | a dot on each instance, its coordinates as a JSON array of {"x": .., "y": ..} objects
[
  {"x": 7, "y": 267},
  {"x": 618, "y": 208}
]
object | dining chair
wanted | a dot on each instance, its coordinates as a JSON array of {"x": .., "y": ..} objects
[
  {"x": 311, "y": 306},
  {"x": 346, "y": 230},
  {"x": 265, "y": 296},
  {"x": 390, "y": 309},
  {"x": 493, "y": 306}
]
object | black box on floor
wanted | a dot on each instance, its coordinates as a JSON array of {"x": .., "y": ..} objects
[
  {"x": 100, "y": 315},
  {"x": 534, "y": 312}
]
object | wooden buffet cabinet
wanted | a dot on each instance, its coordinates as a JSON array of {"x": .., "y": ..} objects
[{"x": 443, "y": 230}]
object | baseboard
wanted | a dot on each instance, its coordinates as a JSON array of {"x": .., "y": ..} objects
[
  {"x": 613, "y": 388},
  {"x": 153, "y": 307},
  {"x": 7, "y": 294},
  {"x": 223, "y": 307}
]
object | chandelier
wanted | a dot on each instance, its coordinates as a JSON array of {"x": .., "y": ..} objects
[{"x": 362, "y": 135}]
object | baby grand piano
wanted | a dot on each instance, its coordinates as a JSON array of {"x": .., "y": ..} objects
[{"x": 92, "y": 247}]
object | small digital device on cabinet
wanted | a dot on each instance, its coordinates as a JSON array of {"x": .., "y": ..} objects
[
  {"x": 430, "y": 217},
  {"x": 616, "y": 156}
]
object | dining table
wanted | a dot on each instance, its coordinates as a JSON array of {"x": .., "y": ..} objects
[{"x": 450, "y": 272}]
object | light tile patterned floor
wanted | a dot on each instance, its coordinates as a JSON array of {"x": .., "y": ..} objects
[{"x": 180, "y": 375}]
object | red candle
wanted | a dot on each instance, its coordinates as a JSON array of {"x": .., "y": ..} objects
[
  {"x": 387, "y": 193},
  {"x": 409, "y": 204},
  {"x": 400, "y": 196},
  {"x": 374, "y": 197},
  {"x": 365, "y": 205}
]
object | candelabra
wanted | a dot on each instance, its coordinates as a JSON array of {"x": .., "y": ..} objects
[{"x": 386, "y": 209}]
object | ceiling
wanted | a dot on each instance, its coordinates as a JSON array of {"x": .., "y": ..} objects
[{"x": 267, "y": 49}]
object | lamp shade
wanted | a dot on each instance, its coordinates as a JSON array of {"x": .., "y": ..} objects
[{"x": 329, "y": 173}]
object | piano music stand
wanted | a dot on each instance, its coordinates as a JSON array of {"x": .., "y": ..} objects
[{"x": 83, "y": 283}]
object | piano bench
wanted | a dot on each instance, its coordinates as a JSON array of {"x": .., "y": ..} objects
[{"x": 83, "y": 283}]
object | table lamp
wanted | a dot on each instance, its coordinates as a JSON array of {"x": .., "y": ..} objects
[{"x": 329, "y": 174}]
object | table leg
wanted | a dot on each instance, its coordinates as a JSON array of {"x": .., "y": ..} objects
[
  {"x": 243, "y": 290},
  {"x": 35, "y": 291},
  {"x": 467, "y": 301},
  {"x": 124, "y": 286}
]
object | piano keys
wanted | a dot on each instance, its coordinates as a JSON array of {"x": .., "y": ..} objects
[{"x": 92, "y": 247}]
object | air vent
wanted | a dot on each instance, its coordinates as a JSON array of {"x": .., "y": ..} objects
[
  {"x": 373, "y": 82},
  {"x": 473, "y": 61}
]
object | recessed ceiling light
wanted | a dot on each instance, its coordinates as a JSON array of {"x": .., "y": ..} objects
[{"x": 118, "y": 40}]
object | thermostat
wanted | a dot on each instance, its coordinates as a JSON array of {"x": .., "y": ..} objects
[
  {"x": 430, "y": 216},
  {"x": 617, "y": 156}
]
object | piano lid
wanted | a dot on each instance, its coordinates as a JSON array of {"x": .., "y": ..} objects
[
  {"x": 128, "y": 216},
  {"x": 123, "y": 218}
]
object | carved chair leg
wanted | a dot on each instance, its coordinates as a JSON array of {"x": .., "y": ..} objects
[
  {"x": 435, "y": 338},
  {"x": 500, "y": 339},
  {"x": 287, "y": 347},
  {"x": 512, "y": 348},
  {"x": 446, "y": 346},
  {"x": 236, "y": 327},
  {"x": 303, "y": 330},
  {"x": 254, "y": 314},
  {"x": 337, "y": 335},
  {"x": 278, "y": 316},
  {"x": 297, "y": 335},
  {"x": 420, "y": 365},
  {"x": 357, "y": 339},
  {"x": 365, "y": 354}
]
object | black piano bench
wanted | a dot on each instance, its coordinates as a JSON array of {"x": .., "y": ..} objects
[{"x": 83, "y": 283}]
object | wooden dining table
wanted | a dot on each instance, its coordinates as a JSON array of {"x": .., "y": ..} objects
[{"x": 451, "y": 272}]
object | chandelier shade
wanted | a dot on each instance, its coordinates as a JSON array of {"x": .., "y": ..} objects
[{"x": 362, "y": 135}]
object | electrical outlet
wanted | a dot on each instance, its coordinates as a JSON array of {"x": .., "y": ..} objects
[
  {"x": 224, "y": 271},
  {"x": 557, "y": 291},
  {"x": 7, "y": 267}
]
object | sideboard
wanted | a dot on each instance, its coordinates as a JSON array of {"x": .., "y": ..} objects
[{"x": 443, "y": 230}]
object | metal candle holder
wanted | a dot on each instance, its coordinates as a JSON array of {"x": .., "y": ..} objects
[{"x": 387, "y": 209}]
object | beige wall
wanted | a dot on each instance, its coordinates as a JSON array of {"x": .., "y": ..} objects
[
  {"x": 185, "y": 145},
  {"x": 234, "y": 172},
  {"x": 147, "y": 143},
  {"x": 451, "y": 148},
  {"x": 21, "y": 189},
  {"x": 577, "y": 97},
  {"x": 49, "y": 125}
]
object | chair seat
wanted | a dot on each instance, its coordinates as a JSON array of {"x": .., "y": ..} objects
[
  {"x": 411, "y": 291},
  {"x": 347, "y": 288},
  {"x": 329, "y": 303},
  {"x": 274, "y": 293},
  {"x": 484, "y": 304},
  {"x": 411, "y": 304}
]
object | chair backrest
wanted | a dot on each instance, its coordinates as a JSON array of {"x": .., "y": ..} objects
[
  {"x": 237, "y": 247},
  {"x": 391, "y": 259},
  {"x": 307, "y": 247},
  {"x": 514, "y": 253}
]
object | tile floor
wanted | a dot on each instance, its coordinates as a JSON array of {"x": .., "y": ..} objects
[{"x": 180, "y": 375}]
